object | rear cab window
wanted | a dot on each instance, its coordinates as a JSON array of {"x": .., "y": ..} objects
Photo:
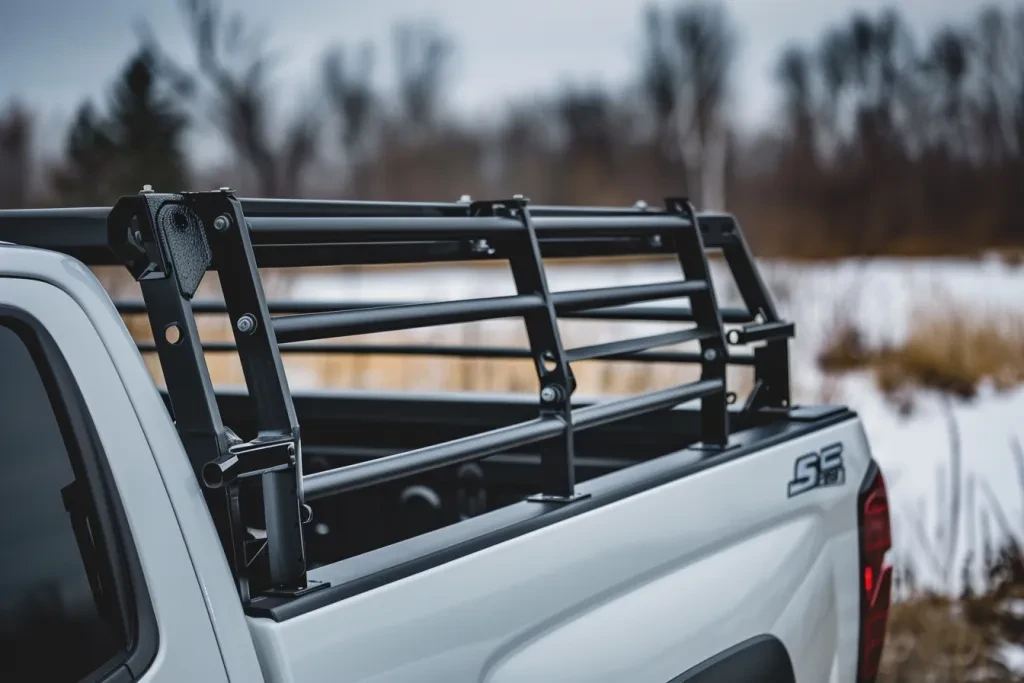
[{"x": 68, "y": 611}]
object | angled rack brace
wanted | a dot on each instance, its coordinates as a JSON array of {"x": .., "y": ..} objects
[{"x": 170, "y": 241}]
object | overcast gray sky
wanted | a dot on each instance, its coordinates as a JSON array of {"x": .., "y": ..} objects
[{"x": 54, "y": 53}]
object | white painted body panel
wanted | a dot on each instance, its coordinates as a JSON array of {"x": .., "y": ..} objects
[{"x": 639, "y": 590}]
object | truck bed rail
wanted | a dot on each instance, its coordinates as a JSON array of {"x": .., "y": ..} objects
[{"x": 170, "y": 241}]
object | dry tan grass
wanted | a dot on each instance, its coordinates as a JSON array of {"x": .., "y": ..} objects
[{"x": 954, "y": 351}]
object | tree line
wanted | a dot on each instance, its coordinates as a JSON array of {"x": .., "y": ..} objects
[{"x": 883, "y": 143}]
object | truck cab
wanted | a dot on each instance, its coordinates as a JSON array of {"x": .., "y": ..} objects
[{"x": 192, "y": 532}]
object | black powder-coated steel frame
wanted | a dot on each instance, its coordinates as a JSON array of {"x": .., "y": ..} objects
[{"x": 169, "y": 242}]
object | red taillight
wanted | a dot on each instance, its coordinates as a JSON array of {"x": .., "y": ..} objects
[{"x": 875, "y": 590}]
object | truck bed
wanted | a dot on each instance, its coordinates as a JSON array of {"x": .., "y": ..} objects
[{"x": 343, "y": 428}]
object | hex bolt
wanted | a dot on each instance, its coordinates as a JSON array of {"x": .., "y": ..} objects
[
  {"x": 146, "y": 189},
  {"x": 548, "y": 394},
  {"x": 246, "y": 324},
  {"x": 655, "y": 241},
  {"x": 222, "y": 222},
  {"x": 225, "y": 189},
  {"x": 710, "y": 355},
  {"x": 640, "y": 204}
]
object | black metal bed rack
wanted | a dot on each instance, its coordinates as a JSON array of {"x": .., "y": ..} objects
[{"x": 170, "y": 241}]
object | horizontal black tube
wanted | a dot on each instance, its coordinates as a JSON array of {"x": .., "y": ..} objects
[
  {"x": 628, "y": 346},
  {"x": 318, "y": 229},
  {"x": 657, "y": 314},
  {"x": 348, "y": 208},
  {"x": 587, "y": 299},
  {"x": 641, "y": 313},
  {"x": 344, "y": 229},
  {"x": 294, "y": 208},
  {"x": 309, "y": 326},
  {"x": 603, "y": 413},
  {"x": 762, "y": 332},
  {"x": 388, "y": 468},
  {"x": 498, "y": 352},
  {"x": 542, "y": 211},
  {"x": 420, "y": 460}
]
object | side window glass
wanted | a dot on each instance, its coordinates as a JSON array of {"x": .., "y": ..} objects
[{"x": 60, "y": 620}]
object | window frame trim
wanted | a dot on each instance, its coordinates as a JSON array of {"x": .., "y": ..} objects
[{"x": 81, "y": 439}]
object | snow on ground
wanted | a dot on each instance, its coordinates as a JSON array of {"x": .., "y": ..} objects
[{"x": 878, "y": 296}]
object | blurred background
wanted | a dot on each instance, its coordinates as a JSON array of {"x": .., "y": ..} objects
[{"x": 873, "y": 153}]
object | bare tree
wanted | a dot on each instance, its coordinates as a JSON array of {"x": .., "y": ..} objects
[
  {"x": 348, "y": 85},
  {"x": 793, "y": 73},
  {"x": 693, "y": 49},
  {"x": 422, "y": 56},
  {"x": 235, "y": 66},
  {"x": 15, "y": 156}
]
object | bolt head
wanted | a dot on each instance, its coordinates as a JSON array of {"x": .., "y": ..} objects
[
  {"x": 548, "y": 394},
  {"x": 225, "y": 189},
  {"x": 655, "y": 241},
  {"x": 222, "y": 222},
  {"x": 246, "y": 324},
  {"x": 710, "y": 355},
  {"x": 465, "y": 199},
  {"x": 641, "y": 205},
  {"x": 146, "y": 189}
]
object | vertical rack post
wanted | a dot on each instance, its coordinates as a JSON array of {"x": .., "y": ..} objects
[
  {"x": 169, "y": 242},
  {"x": 714, "y": 411},
  {"x": 267, "y": 385},
  {"x": 137, "y": 228},
  {"x": 557, "y": 384},
  {"x": 771, "y": 361}
]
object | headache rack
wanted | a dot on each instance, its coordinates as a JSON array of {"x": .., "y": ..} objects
[{"x": 170, "y": 241}]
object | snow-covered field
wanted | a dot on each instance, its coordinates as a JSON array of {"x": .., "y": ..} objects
[{"x": 879, "y": 296}]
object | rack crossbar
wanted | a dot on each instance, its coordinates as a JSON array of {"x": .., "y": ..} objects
[
  {"x": 309, "y": 326},
  {"x": 494, "y": 352},
  {"x": 352, "y": 477},
  {"x": 380, "y": 470},
  {"x": 628, "y": 346},
  {"x": 731, "y": 315}
]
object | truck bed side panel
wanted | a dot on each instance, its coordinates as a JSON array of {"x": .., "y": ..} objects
[{"x": 642, "y": 589}]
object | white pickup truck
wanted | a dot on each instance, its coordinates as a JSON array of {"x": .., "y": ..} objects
[{"x": 182, "y": 533}]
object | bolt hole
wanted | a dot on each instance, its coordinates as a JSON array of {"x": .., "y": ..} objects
[
  {"x": 730, "y": 398},
  {"x": 548, "y": 362},
  {"x": 734, "y": 336},
  {"x": 173, "y": 334}
]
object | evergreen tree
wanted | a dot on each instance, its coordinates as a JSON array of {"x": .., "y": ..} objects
[
  {"x": 138, "y": 142},
  {"x": 147, "y": 127},
  {"x": 84, "y": 178}
]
